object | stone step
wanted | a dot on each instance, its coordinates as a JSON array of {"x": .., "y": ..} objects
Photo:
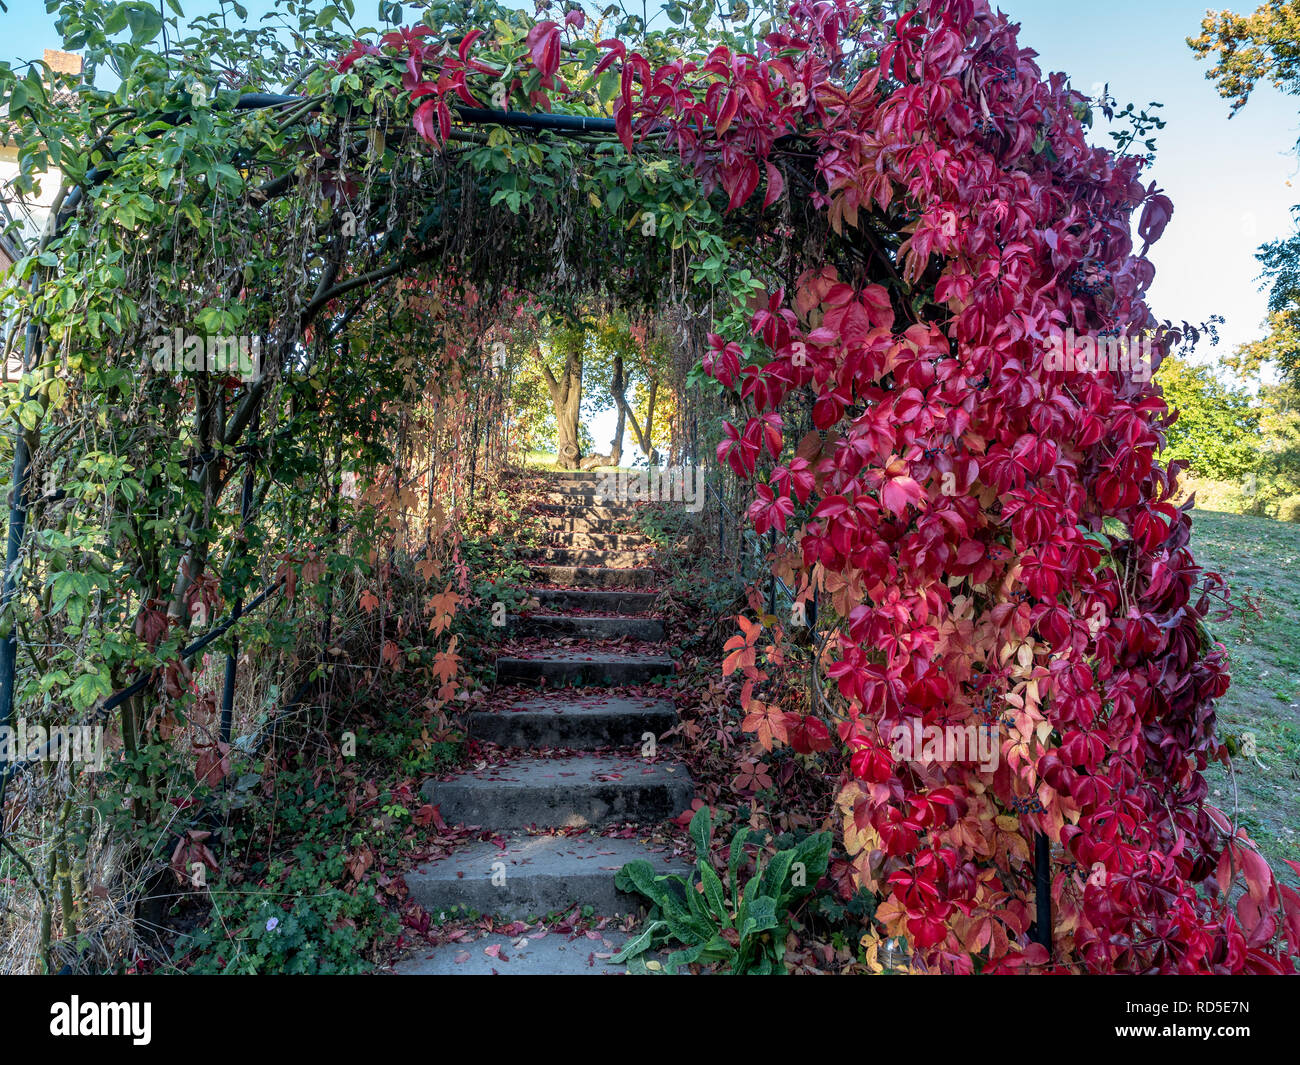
[
  {"x": 586, "y": 511},
  {"x": 563, "y": 490},
  {"x": 600, "y": 541},
  {"x": 593, "y": 577},
  {"x": 532, "y": 876},
  {"x": 550, "y": 955},
  {"x": 580, "y": 722},
  {"x": 565, "y": 556},
  {"x": 568, "y": 668},
  {"x": 594, "y": 628},
  {"x": 582, "y": 496},
  {"x": 567, "y": 477},
  {"x": 582, "y": 791},
  {"x": 561, "y": 523},
  {"x": 594, "y": 601},
  {"x": 540, "y": 476},
  {"x": 581, "y": 480}
]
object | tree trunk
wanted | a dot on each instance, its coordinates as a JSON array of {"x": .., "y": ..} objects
[
  {"x": 644, "y": 440},
  {"x": 616, "y": 445},
  {"x": 566, "y": 399},
  {"x": 651, "y": 454}
]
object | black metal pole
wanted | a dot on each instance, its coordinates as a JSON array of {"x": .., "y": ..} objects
[
  {"x": 771, "y": 583},
  {"x": 253, "y": 101},
  {"x": 528, "y": 120},
  {"x": 1043, "y": 890},
  {"x": 17, "y": 531}
]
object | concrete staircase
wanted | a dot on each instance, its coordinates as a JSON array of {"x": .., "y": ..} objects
[{"x": 592, "y": 584}]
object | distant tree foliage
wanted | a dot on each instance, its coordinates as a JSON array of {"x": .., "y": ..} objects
[
  {"x": 1264, "y": 46},
  {"x": 1248, "y": 49},
  {"x": 1217, "y": 431}
]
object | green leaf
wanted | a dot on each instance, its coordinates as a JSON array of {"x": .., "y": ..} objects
[
  {"x": 687, "y": 926},
  {"x": 760, "y": 918},
  {"x": 29, "y": 415},
  {"x": 145, "y": 22},
  {"x": 775, "y": 880},
  {"x": 115, "y": 21},
  {"x": 50, "y": 680},
  {"x": 735, "y": 859},
  {"x": 715, "y": 949},
  {"x": 639, "y": 876},
  {"x": 701, "y": 831},
  {"x": 88, "y": 689},
  {"x": 639, "y": 943},
  {"x": 713, "y": 891},
  {"x": 699, "y": 909},
  {"x": 229, "y": 175},
  {"x": 815, "y": 853}
]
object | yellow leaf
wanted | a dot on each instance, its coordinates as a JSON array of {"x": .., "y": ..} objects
[
  {"x": 1025, "y": 656},
  {"x": 871, "y": 948}
]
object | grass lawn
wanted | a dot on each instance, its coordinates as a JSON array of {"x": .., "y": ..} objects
[
  {"x": 1260, "y": 560},
  {"x": 540, "y": 460},
  {"x": 546, "y": 460}
]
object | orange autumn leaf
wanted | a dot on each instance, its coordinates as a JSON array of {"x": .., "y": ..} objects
[
  {"x": 212, "y": 764},
  {"x": 767, "y": 721},
  {"x": 441, "y": 609},
  {"x": 314, "y": 568},
  {"x": 446, "y": 664},
  {"x": 391, "y": 655},
  {"x": 289, "y": 576},
  {"x": 740, "y": 649}
]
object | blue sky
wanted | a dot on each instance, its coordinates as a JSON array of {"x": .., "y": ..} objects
[{"x": 1231, "y": 180}]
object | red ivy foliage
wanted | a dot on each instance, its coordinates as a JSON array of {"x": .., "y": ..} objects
[{"x": 996, "y": 534}]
